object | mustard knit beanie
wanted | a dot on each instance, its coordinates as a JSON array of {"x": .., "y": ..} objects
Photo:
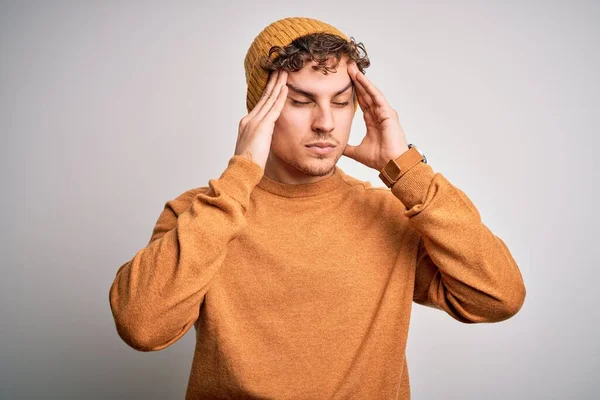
[{"x": 279, "y": 33}]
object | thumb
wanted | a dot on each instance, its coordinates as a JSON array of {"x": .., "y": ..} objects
[{"x": 350, "y": 151}]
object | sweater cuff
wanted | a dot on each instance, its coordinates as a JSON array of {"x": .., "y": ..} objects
[
  {"x": 411, "y": 189},
  {"x": 238, "y": 180}
]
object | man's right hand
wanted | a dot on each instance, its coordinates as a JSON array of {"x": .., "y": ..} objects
[{"x": 256, "y": 128}]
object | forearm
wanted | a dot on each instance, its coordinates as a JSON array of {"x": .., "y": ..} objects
[
  {"x": 470, "y": 271},
  {"x": 156, "y": 296}
]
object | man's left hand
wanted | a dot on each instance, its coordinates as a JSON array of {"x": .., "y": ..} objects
[{"x": 384, "y": 139}]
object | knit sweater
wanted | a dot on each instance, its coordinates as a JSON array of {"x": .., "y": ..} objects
[{"x": 305, "y": 291}]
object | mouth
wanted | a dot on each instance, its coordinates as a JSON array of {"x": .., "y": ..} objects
[{"x": 321, "y": 148}]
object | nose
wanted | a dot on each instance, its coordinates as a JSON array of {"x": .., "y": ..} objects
[{"x": 323, "y": 119}]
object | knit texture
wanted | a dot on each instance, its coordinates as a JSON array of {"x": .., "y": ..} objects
[
  {"x": 279, "y": 33},
  {"x": 305, "y": 291}
]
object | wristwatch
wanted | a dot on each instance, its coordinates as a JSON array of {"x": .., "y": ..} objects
[{"x": 395, "y": 168}]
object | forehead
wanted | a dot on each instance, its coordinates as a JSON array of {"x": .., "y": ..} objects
[{"x": 315, "y": 81}]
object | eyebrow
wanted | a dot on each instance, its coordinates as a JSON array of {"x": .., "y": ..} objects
[{"x": 312, "y": 95}]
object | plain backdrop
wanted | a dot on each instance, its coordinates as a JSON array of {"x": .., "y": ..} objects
[{"x": 109, "y": 109}]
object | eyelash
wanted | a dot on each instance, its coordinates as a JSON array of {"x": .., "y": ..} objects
[{"x": 308, "y": 102}]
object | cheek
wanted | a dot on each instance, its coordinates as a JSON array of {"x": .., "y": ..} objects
[
  {"x": 293, "y": 116},
  {"x": 283, "y": 131},
  {"x": 344, "y": 118},
  {"x": 291, "y": 121},
  {"x": 282, "y": 125}
]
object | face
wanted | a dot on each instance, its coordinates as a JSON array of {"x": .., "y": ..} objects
[{"x": 319, "y": 108}]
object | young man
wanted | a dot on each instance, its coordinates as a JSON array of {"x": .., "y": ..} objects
[{"x": 298, "y": 278}]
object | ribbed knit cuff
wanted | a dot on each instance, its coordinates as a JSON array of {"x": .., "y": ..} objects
[
  {"x": 239, "y": 179},
  {"x": 412, "y": 187}
]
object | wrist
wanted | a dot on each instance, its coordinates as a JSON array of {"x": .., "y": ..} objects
[
  {"x": 391, "y": 156},
  {"x": 397, "y": 167}
]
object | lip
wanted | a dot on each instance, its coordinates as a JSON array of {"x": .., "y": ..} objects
[
  {"x": 321, "y": 150},
  {"x": 321, "y": 144}
]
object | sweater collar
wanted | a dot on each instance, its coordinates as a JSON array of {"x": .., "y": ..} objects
[{"x": 325, "y": 185}]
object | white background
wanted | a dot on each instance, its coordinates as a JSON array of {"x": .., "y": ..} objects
[{"x": 109, "y": 109}]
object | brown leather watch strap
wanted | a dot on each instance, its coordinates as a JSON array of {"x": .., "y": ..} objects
[{"x": 395, "y": 168}]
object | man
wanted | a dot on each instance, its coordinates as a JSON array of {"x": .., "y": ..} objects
[{"x": 298, "y": 278}]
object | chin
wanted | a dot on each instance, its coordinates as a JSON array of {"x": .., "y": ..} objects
[
  {"x": 315, "y": 165},
  {"x": 308, "y": 164}
]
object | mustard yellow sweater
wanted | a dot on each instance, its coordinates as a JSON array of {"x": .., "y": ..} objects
[{"x": 305, "y": 291}]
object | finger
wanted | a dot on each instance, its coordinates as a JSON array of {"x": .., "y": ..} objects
[
  {"x": 375, "y": 94},
  {"x": 275, "y": 111},
  {"x": 368, "y": 112},
  {"x": 281, "y": 81},
  {"x": 369, "y": 118},
  {"x": 364, "y": 99},
  {"x": 267, "y": 92}
]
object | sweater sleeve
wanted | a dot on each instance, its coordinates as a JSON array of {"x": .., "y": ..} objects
[
  {"x": 462, "y": 267},
  {"x": 156, "y": 296}
]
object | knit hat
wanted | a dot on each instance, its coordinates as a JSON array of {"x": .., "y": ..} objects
[{"x": 279, "y": 33}]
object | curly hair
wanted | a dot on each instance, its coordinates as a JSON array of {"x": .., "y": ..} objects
[{"x": 319, "y": 47}]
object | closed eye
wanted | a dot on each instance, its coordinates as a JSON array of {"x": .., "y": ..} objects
[{"x": 308, "y": 102}]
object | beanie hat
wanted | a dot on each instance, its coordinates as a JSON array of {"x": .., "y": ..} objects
[{"x": 279, "y": 33}]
